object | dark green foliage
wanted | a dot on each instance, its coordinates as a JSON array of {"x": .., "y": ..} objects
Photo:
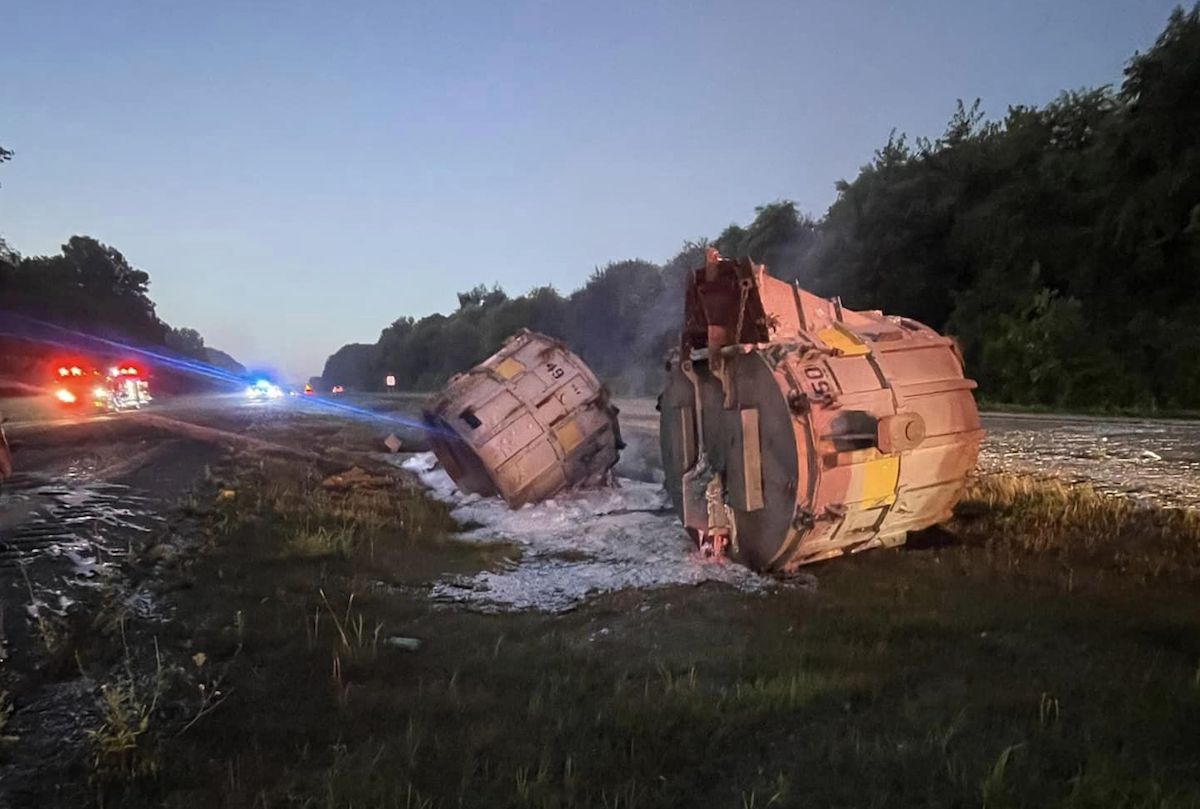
[
  {"x": 1061, "y": 245},
  {"x": 219, "y": 359},
  {"x": 92, "y": 291},
  {"x": 187, "y": 342},
  {"x": 88, "y": 287},
  {"x": 350, "y": 362},
  {"x": 612, "y": 322}
]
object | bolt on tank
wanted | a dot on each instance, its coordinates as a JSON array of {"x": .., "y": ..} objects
[
  {"x": 528, "y": 422},
  {"x": 795, "y": 430}
]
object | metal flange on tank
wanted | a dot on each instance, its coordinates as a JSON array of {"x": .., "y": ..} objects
[
  {"x": 526, "y": 423},
  {"x": 794, "y": 430}
]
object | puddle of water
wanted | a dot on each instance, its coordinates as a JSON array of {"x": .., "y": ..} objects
[{"x": 576, "y": 546}]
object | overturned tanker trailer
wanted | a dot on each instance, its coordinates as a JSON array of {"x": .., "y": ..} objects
[
  {"x": 526, "y": 423},
  {"x": 794, "y": 430}
]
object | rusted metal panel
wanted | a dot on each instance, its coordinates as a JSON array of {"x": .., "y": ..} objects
[
  {"x": 526, "y": 423},
  {"x": 864, "y": 424}
]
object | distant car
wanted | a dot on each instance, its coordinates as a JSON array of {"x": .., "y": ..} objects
[
  {"x": 337, "y": 389},
  {"x": 262, "y": 390},
  {"x": 308, "y": 391}
]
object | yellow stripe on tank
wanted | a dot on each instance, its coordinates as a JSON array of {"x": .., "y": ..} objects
[
  {"x": 876, "y": 481},
  {"x": 846, "y": 343}
]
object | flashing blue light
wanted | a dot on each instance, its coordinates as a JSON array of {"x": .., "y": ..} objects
[{"x": 28, "y": 328}]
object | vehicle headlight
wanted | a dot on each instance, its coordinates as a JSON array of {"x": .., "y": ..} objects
[
  {"x": 100, "y": 393},
  {"x": 65, "y": 396}
]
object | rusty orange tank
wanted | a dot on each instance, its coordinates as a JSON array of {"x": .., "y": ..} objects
[
  {"x": 795, "y": 430},
  {"x": 526, "y": 423}
]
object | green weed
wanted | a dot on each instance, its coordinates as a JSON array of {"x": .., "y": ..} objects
[{"x": 123, "y": 746}]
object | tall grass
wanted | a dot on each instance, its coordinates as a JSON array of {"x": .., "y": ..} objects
[{"x": 1036, "y": 517}]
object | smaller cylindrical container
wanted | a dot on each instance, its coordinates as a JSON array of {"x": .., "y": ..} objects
[{"x": 528, "y": 422}]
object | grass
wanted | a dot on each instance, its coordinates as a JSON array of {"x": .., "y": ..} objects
[
  {"x": 55, "y": 639},
  {"x": 5, "y": 713},
  {"x": 1107, "y": 411},
  {"x": 121, "y": 744},
  {"x": 1045, "y": 653},
  {"x": 308, "y": 517},
  {"x": 959, "y": 675},
  {"x": 322, "y": 541},
  {"x": 356, "y": 639},
  {"x": 124, "y": 748},
  {"x": 1037, "y": 520}
]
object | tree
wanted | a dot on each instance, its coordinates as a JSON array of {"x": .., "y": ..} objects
[
  {"x": 187, "y": 342},
  {"x": 350, "y": 366},
  {"x": 1059, "y": 243}
]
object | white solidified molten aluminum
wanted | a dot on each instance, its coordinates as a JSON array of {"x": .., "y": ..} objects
[{"x": 580, "y": 544}]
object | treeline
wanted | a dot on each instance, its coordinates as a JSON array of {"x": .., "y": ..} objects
[
  {"x": 610, "y": 321},
  {"x": 87, "y": 291},
  {"x": 1060, "y": 244}
]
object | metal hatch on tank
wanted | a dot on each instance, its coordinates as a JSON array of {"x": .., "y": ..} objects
[
  {"x": 794, "y": 430},
  {"x": 526, "y": 423}
]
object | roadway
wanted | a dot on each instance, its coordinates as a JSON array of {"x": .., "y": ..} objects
[{"x": 1150, "y": 459}]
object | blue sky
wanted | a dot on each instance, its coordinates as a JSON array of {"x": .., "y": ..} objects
[{"x": 295, "y": 176}]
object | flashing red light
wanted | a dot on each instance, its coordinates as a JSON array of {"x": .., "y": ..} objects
[{"x": 64, "y": 372}]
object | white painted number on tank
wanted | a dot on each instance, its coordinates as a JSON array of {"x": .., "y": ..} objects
[
  {"x": 554, "y": 370},
  {"x": 818, "y": 383}
]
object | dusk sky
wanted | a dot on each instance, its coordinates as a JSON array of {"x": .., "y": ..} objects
[{"x": 294, "y": 176}]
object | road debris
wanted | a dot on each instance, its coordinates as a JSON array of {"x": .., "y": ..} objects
[{"x": 355, "y": 478}]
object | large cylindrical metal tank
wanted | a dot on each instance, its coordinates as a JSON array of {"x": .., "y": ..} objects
[
  {"x": 794, "y": 430},
  {"x": 526, "y": 423}
]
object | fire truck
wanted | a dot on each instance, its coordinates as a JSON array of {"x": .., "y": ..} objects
[{"x": 120, "y": 386}]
